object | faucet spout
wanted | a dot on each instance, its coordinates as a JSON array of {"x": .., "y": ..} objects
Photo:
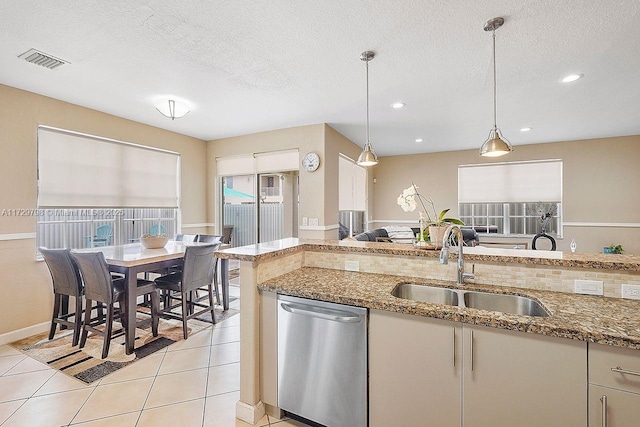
[{"x": 444, "y": 252}]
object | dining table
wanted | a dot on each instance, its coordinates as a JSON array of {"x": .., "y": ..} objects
[{"x": 132, "y": 259}]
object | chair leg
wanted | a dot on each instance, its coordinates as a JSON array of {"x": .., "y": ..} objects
[
  {"x": 211, "y": 306},
  {"x": 85, "y": 322},
  {"x": 56, "y": 312},
  {"x": 185, "y": 306},
  {"x": 217, "y": 285},
  {"x": 155, "y": 308},
  {"x": 108, "y": 326},
  {"x": 77, "y": 321}
]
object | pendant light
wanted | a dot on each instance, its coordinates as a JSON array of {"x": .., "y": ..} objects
[
  {"x": 495, "y": 145},
  {"x": 368, "y": 156}
]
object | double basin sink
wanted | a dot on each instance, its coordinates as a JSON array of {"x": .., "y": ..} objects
[{"x": 471, "y": 299}]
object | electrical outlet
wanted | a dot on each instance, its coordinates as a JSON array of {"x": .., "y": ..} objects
[
  {"x": 589, "y": 287},
  {"x": 305, "y": 220},
  {"x": 352, "y": 265},
  {"x": 313, "y": 222},
  {"x": 631, "y": 291}
]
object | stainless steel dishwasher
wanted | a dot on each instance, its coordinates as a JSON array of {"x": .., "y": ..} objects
[{"x": 322, "y": 361}]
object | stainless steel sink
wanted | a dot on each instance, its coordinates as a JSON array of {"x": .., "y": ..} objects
[
  {"x": 423, "y": 293},
  {"x": 471, "y": 299},
  {"x": 505, "y": 303}
]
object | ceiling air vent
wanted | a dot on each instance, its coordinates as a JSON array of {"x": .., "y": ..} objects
[{"x": 43, "y": 59}]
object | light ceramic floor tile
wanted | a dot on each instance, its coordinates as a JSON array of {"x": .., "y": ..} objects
[
  {"x": 114, "y": 399},
  {"x": 124, "y": 420},
  {"x": 23, "y": 385},
  {"x": 223, "y": 379},
  {"x": 221, "y": 354},
  {"x": 200, "y": 339},
  {"x": 181, "y": 414},
  {"x": 147, "y": 367},
  {"x": 183, "y": 360},
  {"x": 8, "y": 408},
  {"x": 51, "y": 410},
  {"x": 178, "y": 387},
  {"x": 6, "y": 350},
  {"x": 225, "y": 335},
  {"x": 27, "y": 365},
  {"x": 9, "y": 362},
  {"x": 60, "y": 382},
  {"x": 220, "y": 410}
]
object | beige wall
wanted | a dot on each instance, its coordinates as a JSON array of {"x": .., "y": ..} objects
[
  {"x": 600, "y": 182},
  {"x": 26, "y": 285},
  {"x": 318, "y": 190}
]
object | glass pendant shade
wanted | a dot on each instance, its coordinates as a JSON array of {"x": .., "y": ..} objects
[
  {"x": 495, "y": 145},
  {"x": 368, "y": 156}
]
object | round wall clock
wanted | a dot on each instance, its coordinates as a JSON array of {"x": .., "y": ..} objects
[{"x": 311, "y": 161}]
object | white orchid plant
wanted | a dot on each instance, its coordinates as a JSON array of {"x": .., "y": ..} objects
[{"x": 409, "y": 199}]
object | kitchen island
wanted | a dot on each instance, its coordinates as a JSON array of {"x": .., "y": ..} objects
[{"x": 315, "y": 269}]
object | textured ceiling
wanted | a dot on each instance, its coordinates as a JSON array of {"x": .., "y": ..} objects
[{"x": 250, "y": 66}]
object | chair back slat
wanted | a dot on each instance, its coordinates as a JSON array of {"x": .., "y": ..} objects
[
  {"x": 98, "y": 285},
  {"x": 198, "y": 266},
  {"x": 209, "y": 238},
  {"x": 64, "y": 271}
]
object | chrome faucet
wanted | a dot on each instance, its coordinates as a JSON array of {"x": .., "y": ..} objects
[{"x": 444, "y": 253}]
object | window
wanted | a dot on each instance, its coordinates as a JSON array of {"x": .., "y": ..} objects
[
  {"x": 505, "y": 198},
  {"x": 96, "y": 191}
]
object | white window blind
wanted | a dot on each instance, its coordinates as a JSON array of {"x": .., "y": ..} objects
[
  {"x": 76, "y": 170},
  {"x": 249, "y": 164},
  {"x": 352, "y": 186},
  {"x": 537, "y": 181}
]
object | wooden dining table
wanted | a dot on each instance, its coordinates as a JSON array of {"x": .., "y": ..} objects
[{"x": 132, "y": 259}]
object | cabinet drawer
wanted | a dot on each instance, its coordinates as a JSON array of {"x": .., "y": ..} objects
[
  {"x": 626, "y": 362},
  {"x": 622, "y": 408}
]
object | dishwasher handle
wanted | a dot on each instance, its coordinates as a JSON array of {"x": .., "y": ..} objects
[{"x": 321, "y": 313}]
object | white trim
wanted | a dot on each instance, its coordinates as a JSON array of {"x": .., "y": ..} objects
[
  {"x": 602, "y": 224},
  {"x": 319, "y": 227},
  {"x": 18, "y": 236},
  {"x": 24, "y": 332},
  {"x": 395, "y": 221},
  {"x": 204, "y": 224}
]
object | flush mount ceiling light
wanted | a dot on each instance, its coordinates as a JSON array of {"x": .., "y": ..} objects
[
  {"x": 397, "y": 105},
  {"x": 172, "y": 108},
  {"x": 527, "y": 129},
  {"x": 368, "y": 156},
  {"x": 419, "y": 140},
  {"x": 572, "y": 78},
  {"x": 495, "y": 145}
]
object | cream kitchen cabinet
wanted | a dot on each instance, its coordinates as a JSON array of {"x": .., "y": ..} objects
[
  {"x": 431, "y": 372},
  {"x": 614, "y": 386}
]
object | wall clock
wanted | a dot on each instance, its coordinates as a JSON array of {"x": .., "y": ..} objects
[{"x": 311, "y": 161}]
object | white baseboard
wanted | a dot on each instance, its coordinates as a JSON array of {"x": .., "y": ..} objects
[
  {"x": 12, "y": 336},
  {"x": 248, "y": 413}
]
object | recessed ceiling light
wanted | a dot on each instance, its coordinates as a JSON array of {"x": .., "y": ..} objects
[
  {"x": 527, "y": 129},
  {"x": 572, "y": 78},
  {"x": 397, "y": 105},
  {"x": 419, "y": 140}
]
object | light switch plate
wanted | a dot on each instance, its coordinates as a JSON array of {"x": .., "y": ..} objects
[
  {"x": 313, "y": 222},
  {"x": 352, "y": 265},
  {"x": 589, "y": 287},
  {"x": 305, "y": 220},
  {"x": 631, "y": 291}
]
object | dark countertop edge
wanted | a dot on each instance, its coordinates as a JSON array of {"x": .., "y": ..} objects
[{"x": 589, "y": 261}]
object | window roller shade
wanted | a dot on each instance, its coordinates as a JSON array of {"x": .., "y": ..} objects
[
  {"x": 249, "y": 164},
  {"x": 511, "y": 182},
  {"x": 77, "y": 170}
]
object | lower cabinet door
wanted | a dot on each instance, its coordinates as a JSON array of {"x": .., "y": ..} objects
[
  {"x": 613, "y": 408},
  {"x": 414, "y": 371},
  {"x": 521, "y": 379}
]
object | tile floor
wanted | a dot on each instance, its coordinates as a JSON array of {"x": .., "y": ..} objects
[{"x": 190, "y": 383}]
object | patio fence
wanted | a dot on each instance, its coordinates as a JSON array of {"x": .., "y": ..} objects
[{"x": 243, "y": 218}]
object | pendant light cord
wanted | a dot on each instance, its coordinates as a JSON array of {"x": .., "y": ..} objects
[
  {"x": 495, "y": 120},
  {"x": 367, "y": 68}
]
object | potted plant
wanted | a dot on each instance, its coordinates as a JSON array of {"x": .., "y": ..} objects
[
  {"x": 613, "y": 249},
  {"x": 437, "y": 224}
]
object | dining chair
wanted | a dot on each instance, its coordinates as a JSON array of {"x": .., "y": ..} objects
[
  {"x": 227, "y": 231},
  {"x": 196, "y": 273},
  {"x": 210, "y": 238},
  {"x": 66, "y": 283},
  {"x": 105, "y": 290}
]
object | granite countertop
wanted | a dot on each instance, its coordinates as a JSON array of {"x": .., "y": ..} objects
[
  {"x": 602, "y": 320},
  {"x": 270, "y": 250}
]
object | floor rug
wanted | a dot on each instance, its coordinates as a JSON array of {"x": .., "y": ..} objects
[{"x": 87, "y": 365}]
